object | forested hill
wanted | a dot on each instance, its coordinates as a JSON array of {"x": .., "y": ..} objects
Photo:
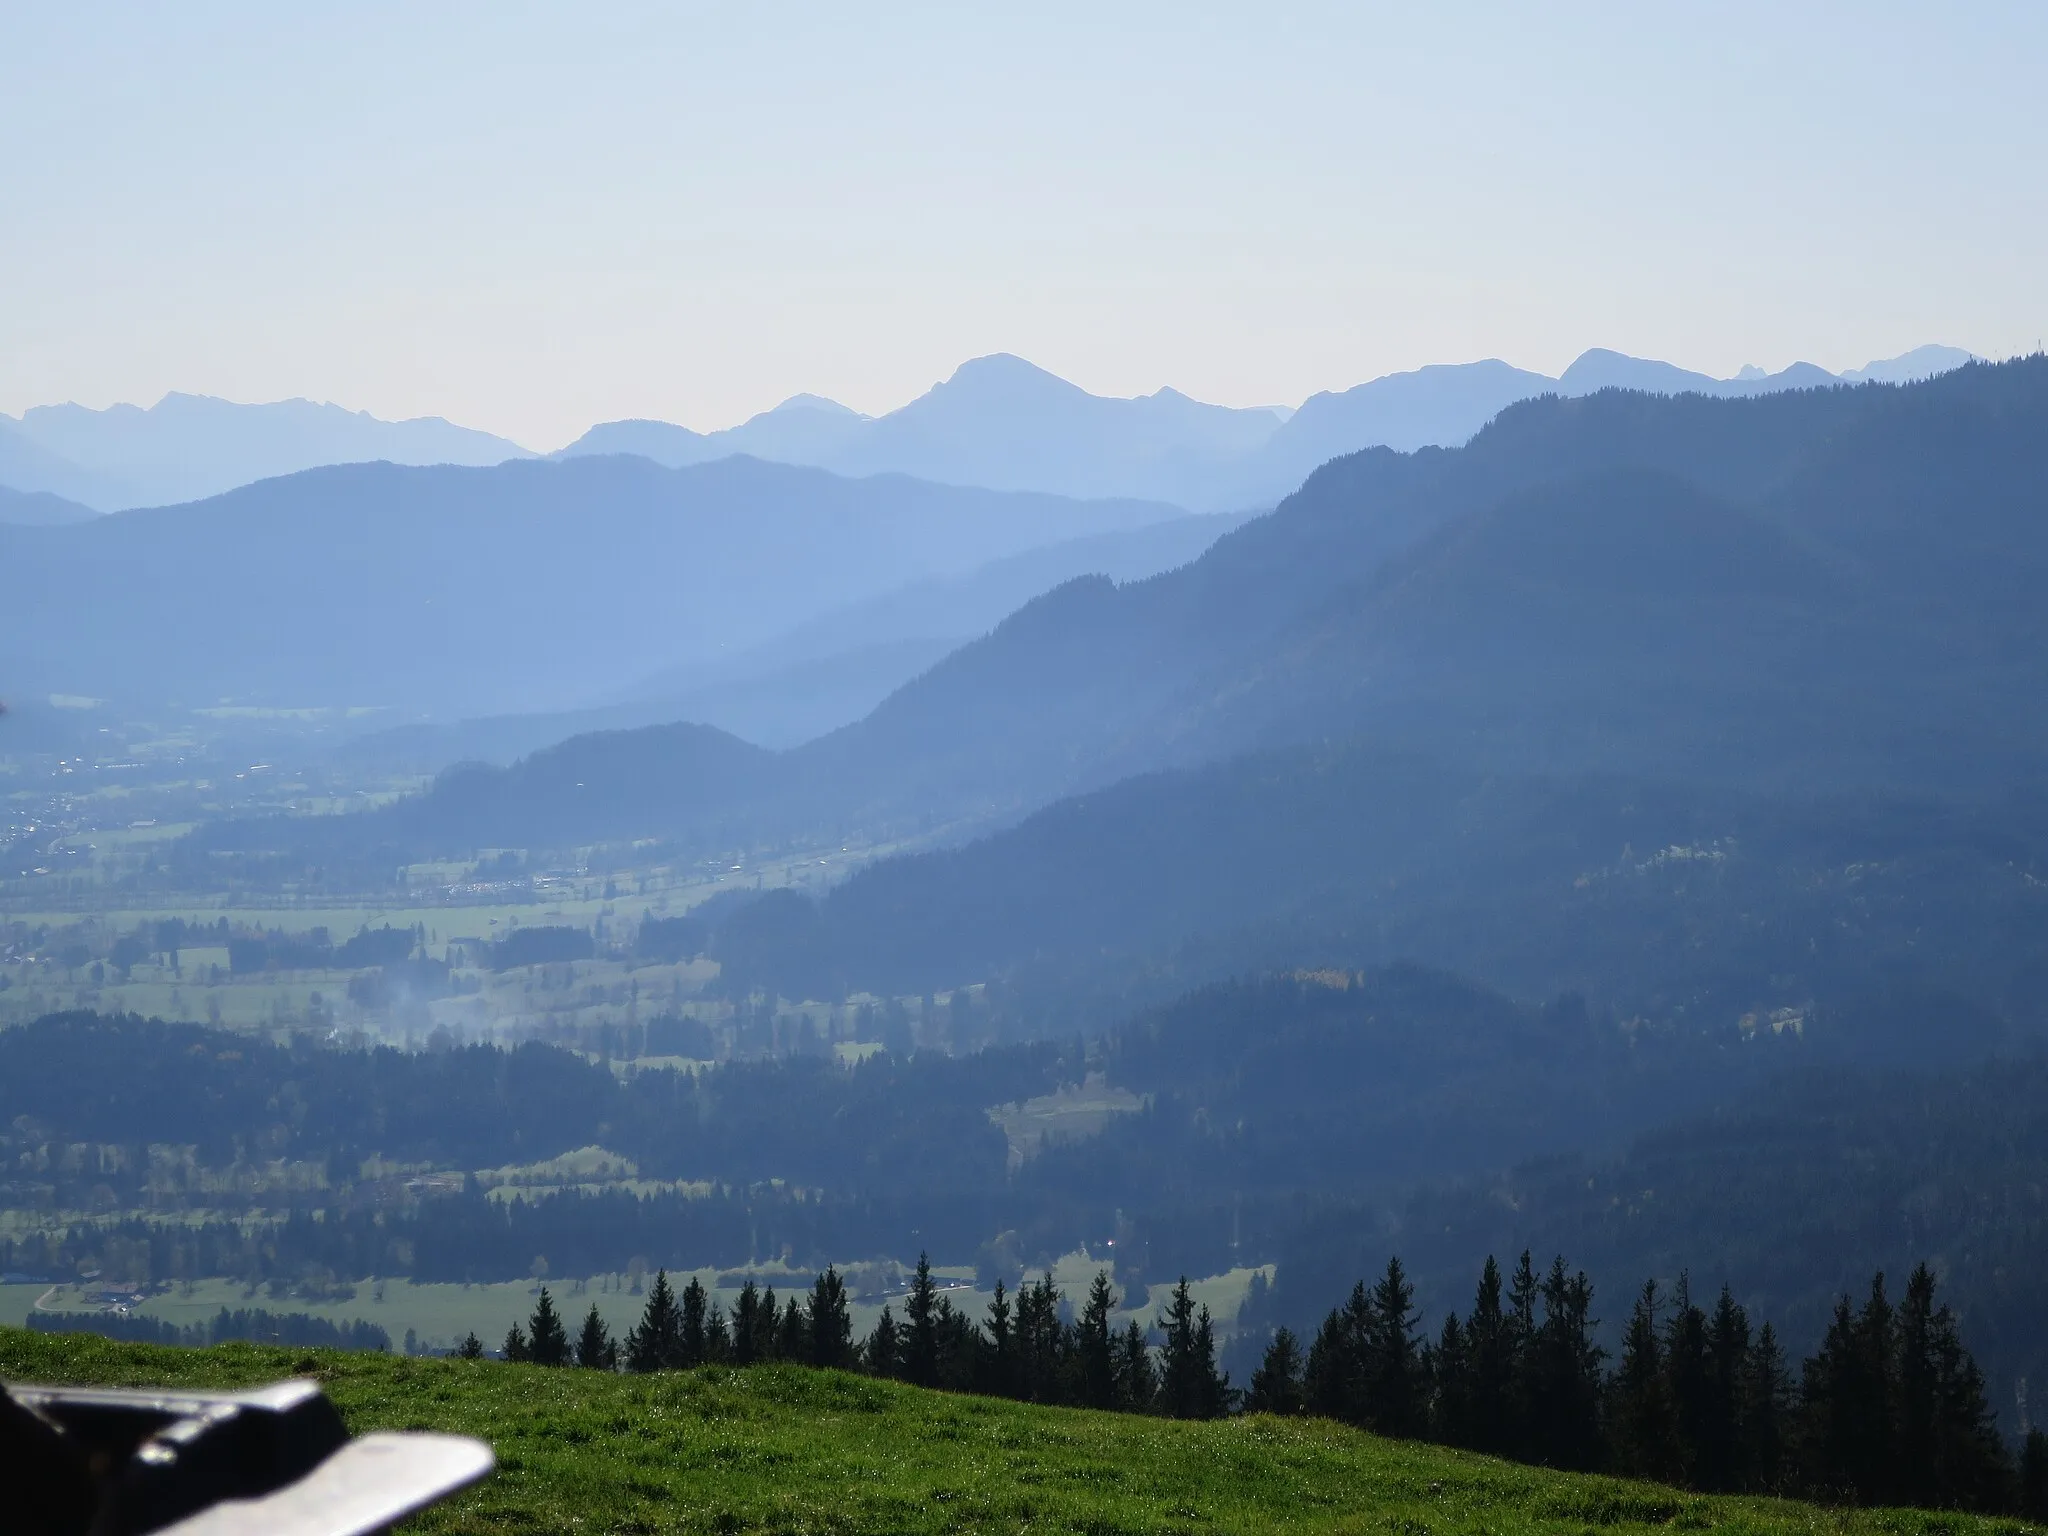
[
  {"x": 1323, "y": 1120},
  {"x": 1827, "y": 589},
  {"x": 1261, "y": 1101},
  {"x": 528, "y": 584},
  {"x": 1665, "y": 898},
  {"x": 1794, "y": 1197}
]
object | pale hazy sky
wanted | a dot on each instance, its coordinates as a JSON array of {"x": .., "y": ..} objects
[{"x": 530, "y": 217}]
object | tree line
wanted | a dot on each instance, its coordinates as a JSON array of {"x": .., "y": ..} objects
[
  {"x": 1022, "y": 1348},
  {"x": 256, "y": 1325},
  {"x": 1891, "y": 1409}
]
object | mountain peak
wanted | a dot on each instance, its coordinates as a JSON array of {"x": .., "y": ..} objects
[
  {"x": 1599, "y": 368},
  {"x": 809, "y": 402},
  {"x": 1910, "y": 367},
  {"x": 1007, "y": 371}
]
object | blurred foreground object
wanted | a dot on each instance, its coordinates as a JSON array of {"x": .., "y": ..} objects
[{"x": 275, "y": 1460}]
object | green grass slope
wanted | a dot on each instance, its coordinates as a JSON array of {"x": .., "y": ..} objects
[{"x": 780, "y": 1449}]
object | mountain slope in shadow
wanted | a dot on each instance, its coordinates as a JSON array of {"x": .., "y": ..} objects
[{"x": 1822, "y": 588}]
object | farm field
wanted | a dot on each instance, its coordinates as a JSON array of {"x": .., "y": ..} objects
[
  {"x": 57, "y": 955},
  {"x": 785, "y": 1449}
]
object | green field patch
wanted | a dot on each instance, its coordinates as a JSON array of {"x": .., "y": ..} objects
[
  {"x": 1073, "y": 1112},
  {"x": 585, "y": 1165}
]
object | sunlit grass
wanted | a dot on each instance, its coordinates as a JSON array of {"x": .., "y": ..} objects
[{"x": 783, "y": 1449}]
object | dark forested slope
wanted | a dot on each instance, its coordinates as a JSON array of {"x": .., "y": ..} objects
[
  {"x": 1793, "y": 1197},
  {"x": 1321, "y": 1119},
  {"x": 1659, "y": 896}
]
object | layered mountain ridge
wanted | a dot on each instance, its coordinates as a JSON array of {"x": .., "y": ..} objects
[
  {"x": 531, "y": 585},
  {"x": 998, "y": 422},
  {"x": 1001, "y": 421},
  {"x": 1818, "y": 588}
]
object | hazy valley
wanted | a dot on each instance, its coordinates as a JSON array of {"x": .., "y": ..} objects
[{"x": 1603, "y": 823}]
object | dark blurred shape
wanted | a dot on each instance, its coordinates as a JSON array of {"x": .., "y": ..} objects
[{"x": 277, "y": 1460}]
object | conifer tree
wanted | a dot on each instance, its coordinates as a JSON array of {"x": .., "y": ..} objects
[
  {"x": 1916, "y": 1435},
  {"x": 1766, "y": 1404},
  {"x": 547, "y": 1341},
  {"x": 1392, "y": 1376},
  {"x": 1523, "y": 1293},
  {"x": 883, "y": 1354},
  {"x": 1722, "y": 1463},
  {"x": 921, "y": 1327},
  {"x": 1326, "y": 1378},
  {"x": 1356, "y": 1322},
  {"x": 1688, "y": 1378},
  {"x": 1563, "y": 1373},
  {"x": 1490, "y": 1344},
  {"x": 2034, "y": 1477},
  {"x": 690, "y": 1335},
  {"x": 1967, "y": 1467},
  {"x": 956, "y": 1337},
  {"x": 515, "y": 1345},
  {"x": 1848, "y": 1403},
  {"x": 471, "y": 1348},
  {"x": 1180, "y": 1393},
  {"x": 1040, "y": 1341},
  {"x": 1214, "y": 1386},
  {"x": 830, "y": 1325},
  {"x": 1094, "y": 1346},
  {"x": 1189, "y": 1386},
  {"x": 1877, "y": 1334},
  {"x": 768, "y": 1327},
  {"x": 1448, "y": 1367},
  {"x": 594, "y": 1348},
  {"x": 792, "y": 1338},
  {"x": 1276, "y": 1384},
  {"x": 746, "y": 1325},
  {"x": 655, "y": 1344},
  {"x": 717, "y": 1336},
  {"x": 1137, "y": 1383},
  {"x": 1644, "y": 1436},
  {"x": 999, "y": 1361},
  {"x": 1525, "y": 1429}
]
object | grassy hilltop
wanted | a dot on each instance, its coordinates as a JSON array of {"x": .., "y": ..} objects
[{"x": 785, "y": 1449}]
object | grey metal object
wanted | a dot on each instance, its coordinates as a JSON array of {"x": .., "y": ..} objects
[{"x": 276, "y": 1460}]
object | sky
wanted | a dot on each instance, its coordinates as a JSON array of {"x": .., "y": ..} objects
[{"x": 532, "y": 217}]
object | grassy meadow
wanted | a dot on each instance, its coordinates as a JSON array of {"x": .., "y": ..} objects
[{"x": 783, "y": 1449}]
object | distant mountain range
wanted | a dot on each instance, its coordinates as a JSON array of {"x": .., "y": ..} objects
[
  {"x": 1690, "y": 703},
  {"x": 528, "y": 586},
  {"x": 186, "y": 447},
  {"x": 1829, "y": 589},
  {"x": 998, "y": 422}
]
